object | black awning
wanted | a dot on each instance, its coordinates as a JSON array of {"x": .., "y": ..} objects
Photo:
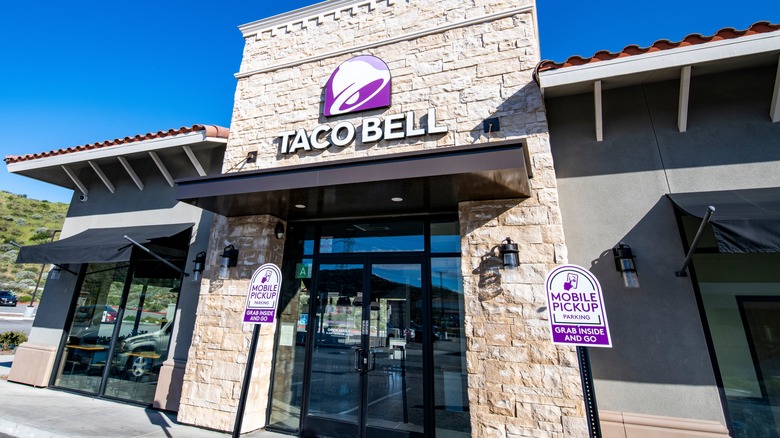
[
  {"x": 745, "y": 221},
  {"x": 98, "y": 245},
  {"x": 424, "y": 181}
]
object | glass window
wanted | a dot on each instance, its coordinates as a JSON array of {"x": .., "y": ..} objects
[
  {"x": 144, "y": 333},
  {"x": 122, "y": 326},
  {"x": 449, "y": 349},
  {"x": 445, "y": 236},
  {"x": 359, "y": 236},
  {"x": 741, "y": 298},
  {"x": 293, "y": 311},
  {"x": 86, "y": 349}
]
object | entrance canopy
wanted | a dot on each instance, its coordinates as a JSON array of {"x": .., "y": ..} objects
[
  {"x": 745, "y": 221},
  {"x": 417, "y": 182},
  {"x": 98, "y": 245}
]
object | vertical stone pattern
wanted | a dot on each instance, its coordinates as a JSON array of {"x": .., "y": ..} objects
[
  {"x": 218, "y": 356},
  {"x": 520, "y": 383},
  {"x": 467, "y": 73}
]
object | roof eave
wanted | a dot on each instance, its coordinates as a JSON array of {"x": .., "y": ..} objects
[
  {"x": 119, "y": 150},
  {"x": 763, "y": 43}
]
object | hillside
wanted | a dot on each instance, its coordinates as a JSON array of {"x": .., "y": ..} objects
[{"x": 25, "y": 222}]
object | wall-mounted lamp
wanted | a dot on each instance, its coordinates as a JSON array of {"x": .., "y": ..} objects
[
  {"x": 55, "y": 273},
  {"x": 279, "y": 230},
  {"x": 200, "y": 264},
  {"x": 509, "y": 254},
  {"x": 624, "y": 263},
  {"x": 229, "y": 260}
]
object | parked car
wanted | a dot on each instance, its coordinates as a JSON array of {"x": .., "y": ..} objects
[
  {"x": 143, "y": 353},
  {"x": 7, "y": 298},
  {"x": 106, "y": 313}
]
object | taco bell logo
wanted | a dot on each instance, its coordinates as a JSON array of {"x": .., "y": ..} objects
[{"x": 359, "y": 84}]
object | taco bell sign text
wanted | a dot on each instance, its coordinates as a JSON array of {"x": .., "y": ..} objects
[
  {"x": 576, "y": 307},
  {"x": 263, "y": 295}
]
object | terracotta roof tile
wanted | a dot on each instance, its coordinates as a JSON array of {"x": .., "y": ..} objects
[
  {"x": 211, "y": 131},
  {"x": 632, "y": 50}
]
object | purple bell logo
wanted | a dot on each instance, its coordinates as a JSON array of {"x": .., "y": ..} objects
[{"x": 358, "y": 84}]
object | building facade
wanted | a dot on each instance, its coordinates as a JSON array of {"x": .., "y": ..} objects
[
  {"x": 398, "y": 145},
  {"x": 386, "y": 155},
  {"x": 644, "y": 142},
  {"x": 115, "y": 317}
]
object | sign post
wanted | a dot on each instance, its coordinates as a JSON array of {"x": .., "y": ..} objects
[
  {"x": 262, "y": 299},
  {"x": 578, "y": 317}
]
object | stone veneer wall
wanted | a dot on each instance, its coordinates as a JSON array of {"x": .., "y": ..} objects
[
  {"x": 469, "y": 72},
  {"x": 470, "y": 60},
  {"x": 520, "y": 383},
  {"x": 220, "y": 343}
]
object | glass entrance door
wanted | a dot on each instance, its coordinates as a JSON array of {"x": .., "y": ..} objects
[{"x": 366, "y": 374}]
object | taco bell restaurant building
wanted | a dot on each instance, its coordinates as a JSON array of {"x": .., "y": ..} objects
[{"x": 416, "y": 172}]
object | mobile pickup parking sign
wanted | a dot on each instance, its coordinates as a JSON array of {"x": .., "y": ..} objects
[
  {"x": 263, "y": 295},
  {"x": 576, "y": 307}
]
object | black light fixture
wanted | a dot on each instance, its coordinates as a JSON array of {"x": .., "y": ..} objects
[
  {"x": 279, "y": 230},
  {"x": 509, "y": 253},
  {"x": 624, "y": 263},
  {"x": 229, "y": 260},
  {"x": 200, "y": 264}
]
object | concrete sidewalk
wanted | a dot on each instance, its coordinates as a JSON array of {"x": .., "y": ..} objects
[
  {"x": 48, "y": 413},
  {"x": 9, "y": 316}
]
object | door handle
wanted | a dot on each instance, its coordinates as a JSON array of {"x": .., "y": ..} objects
[
  {"x": 372, "y": 364},
  {"x": 356, "y": 362}
]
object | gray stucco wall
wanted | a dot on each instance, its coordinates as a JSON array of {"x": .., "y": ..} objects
[
  {"x": 613, "y": 191},
  {"x": 129, "y": 206}
]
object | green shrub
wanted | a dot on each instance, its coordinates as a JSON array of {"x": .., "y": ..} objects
[
  {"x": 9, "y": 340},
  {"x": 24, "y": 298}
]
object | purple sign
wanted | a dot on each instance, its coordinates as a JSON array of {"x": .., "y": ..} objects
[
  {"x": 576, "y": 307},
  {"x": 263, "y": 295},
  {"x": 358, "y": 84}
]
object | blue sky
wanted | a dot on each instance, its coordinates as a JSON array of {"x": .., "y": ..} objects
[{"x": 86, "y": 71}]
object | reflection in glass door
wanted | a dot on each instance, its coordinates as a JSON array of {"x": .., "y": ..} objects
[
  {"x": 366, "y": 369},
  {"x": 371, "y": 339},
  {"x": 395, "y": 377},
  {"x": 335, "y": 380}
]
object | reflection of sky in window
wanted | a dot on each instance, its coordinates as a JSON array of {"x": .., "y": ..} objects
[
  {"x": 445, "y": 273},
  {"x": 399, "y": 273},
  {"x": 371, "y": 244}
]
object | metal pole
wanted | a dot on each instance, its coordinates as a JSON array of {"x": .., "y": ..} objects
[
  {"x": 594, "y": 428},
  {"x": 250, "y": 360},
  {"x": 40, "y": 274},
  {"x": 695, "y": 243},
  {"x": 171, "y": 265}
]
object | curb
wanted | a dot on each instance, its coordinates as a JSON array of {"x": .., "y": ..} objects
[{"x": 16, "y": 429}]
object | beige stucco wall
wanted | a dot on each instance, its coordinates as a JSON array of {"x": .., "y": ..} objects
[{"x": 469, "y": 60}]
